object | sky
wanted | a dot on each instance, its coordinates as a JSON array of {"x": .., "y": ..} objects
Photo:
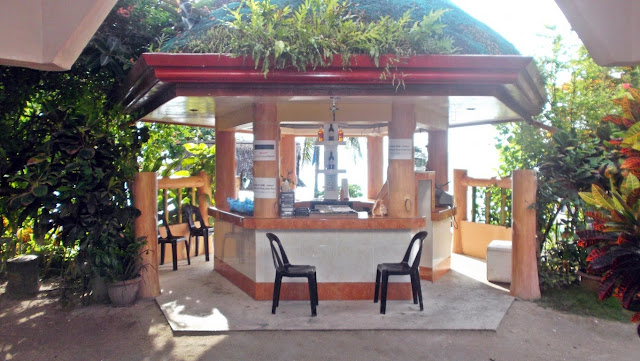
[
  {"x": 520, "y": 21},
  {"x": 523, "y": 23}
]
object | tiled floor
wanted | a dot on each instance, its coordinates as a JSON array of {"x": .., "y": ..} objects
[{"x": 197, "y": 299}]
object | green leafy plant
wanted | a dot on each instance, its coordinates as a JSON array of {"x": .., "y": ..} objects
[
  {"x": 67, "y": 153},
  {"x": 132, "y": 27},
  {"x": 200, "y": 158},
  {"x": 309, "y": 36},
  {"x": 578, "y": 92},
  {"x": 355, "y": 191},
  {"x": 121, "y": 259},
  {"x": 614, "y": 240}
]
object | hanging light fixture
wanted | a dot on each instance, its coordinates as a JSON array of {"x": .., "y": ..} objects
[{"x": 334, "y": 106}]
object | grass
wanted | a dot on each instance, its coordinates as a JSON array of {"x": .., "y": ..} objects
[{"x": 576, "y": 300}]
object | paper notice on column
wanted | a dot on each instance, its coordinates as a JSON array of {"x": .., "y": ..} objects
[
  {"x": 264, "y": 188},
  {"x": 264, "y": 150},
  {"x": 401, "y": 149}
]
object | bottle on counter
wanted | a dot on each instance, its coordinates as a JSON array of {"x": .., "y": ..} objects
[
  {"x": 331, "y": 132},
  {"x": 321, "y": 134},
  {"x": 331, "y": 163},
  {"x": 340, "y": 135}
]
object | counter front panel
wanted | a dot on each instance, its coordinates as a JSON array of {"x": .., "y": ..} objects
[{"x": 345, "y": 259}]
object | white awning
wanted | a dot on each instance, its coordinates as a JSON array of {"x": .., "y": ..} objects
[
  {"x": 608, "y": 28},
  {"x": 48, "y": 34}
]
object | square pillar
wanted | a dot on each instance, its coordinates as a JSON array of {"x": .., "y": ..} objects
[
  {"x": 288, "y": 158},
  {"x": 437, "y": 152},
  {"x": 266, "y": 160},
  {"x": 145, "y": 199},
  {"x": 226, "y": 165},
  {"x": 400, "y": 173},
  {"x": 374, "y": 166}
]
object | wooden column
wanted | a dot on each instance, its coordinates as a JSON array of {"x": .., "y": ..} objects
[
  {"x": 145, "y": 195},
  {"x": 266, "y": 127},
  {"x": 524, "y": 262},
  {"x": 225, "y": 168},
  {"x": 288, "y": 158},
  {"x": 374, "y": 165},
  {"x": 437, "y": 152},
  {"x": 400, "y": 174},
  {"x": 460, "y": 202}
]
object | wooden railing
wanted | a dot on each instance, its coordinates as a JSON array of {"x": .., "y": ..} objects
[
  {"x": 199, "y": 185},
  {"x": 145, "y": 198},
  {"x": 503, "y": 216},
  {"x": 470, "y": 237}
]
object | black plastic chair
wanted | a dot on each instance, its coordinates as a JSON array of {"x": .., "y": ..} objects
[
  {"x": 286, "y": 269},
  {"x": 173, "y": 240},
  {"x": 192, "y": 214},
  {"x": 403, "y": 268}
]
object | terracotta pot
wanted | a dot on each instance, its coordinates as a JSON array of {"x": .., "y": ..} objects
[{"x": 123, "y": 293}]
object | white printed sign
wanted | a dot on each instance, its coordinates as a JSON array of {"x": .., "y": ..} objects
[
  {"x": 401, "y": 149},
  {"x": 264, "y": 150},
  {"x": 264, "y": 188}
]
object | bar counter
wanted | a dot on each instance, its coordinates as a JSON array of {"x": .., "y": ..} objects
[{"x": 344, "y": 248}]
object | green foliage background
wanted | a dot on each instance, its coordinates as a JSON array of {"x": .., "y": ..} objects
[
  {"x": 68, "y": 154},
  {"x": 579, "y": 93}
]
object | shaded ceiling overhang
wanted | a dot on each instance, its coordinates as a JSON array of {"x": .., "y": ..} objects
[
  {"x": 609, "y": 29},
  {"x": 202, "y": 89},
  {"x": 48, "y": 34}
]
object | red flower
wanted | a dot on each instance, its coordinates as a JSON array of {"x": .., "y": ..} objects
[{"x": 626, "y": 85}]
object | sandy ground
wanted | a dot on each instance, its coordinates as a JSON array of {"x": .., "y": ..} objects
[{"x": 39, "y": 329}]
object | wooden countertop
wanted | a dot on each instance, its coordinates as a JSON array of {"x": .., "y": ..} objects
[
  {"x": 363, "y": 221},
  {"x": 441, "y": 214}
]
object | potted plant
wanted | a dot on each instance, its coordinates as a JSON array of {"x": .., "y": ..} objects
[
  {"x": 117, "y": 256},
  {"x": 123, "y": 277}
]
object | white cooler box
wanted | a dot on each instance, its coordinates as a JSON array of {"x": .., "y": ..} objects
[{"x": 499, "y": 261}]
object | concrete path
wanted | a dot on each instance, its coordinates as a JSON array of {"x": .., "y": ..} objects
[{"x": 196, "y": 299}]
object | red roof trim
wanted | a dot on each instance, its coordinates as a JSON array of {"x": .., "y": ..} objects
[
  {"x": 159, "y": 76},
  {"x": 357, "y": 61}
]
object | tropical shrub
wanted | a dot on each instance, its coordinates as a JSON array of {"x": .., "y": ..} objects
[
  {"x": 567, "y": 157},
  {"x": 67, "y": 153},
  {"x": 614, "y": 240}
]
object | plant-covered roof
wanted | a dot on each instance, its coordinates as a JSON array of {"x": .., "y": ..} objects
[{"x": 468, "y": 35}]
